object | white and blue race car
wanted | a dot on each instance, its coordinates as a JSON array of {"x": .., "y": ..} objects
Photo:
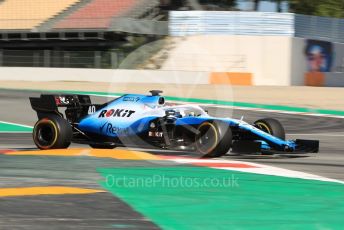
[{"x": 135, "y": 120}]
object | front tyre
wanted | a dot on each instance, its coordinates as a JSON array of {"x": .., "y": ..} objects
[
  {"x": 214, "y": 139},
  {"x": 271, "y": 126},
  {"x": 52, "y": 132}
]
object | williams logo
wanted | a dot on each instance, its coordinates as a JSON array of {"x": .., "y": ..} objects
[
  {"x": 102, "y": 127},
  {"x": 116, "y": 113}
]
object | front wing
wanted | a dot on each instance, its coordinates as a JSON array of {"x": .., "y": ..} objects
[{"x": 298, "y": 146}]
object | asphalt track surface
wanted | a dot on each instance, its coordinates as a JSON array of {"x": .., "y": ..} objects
[{"x": 105, "y": 211}]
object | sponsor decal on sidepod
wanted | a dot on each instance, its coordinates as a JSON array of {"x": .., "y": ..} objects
[
  {"x": 116, "y": 113},
  {"x": 110, "y": 129}
]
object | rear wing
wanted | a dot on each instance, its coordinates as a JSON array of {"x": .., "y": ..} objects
[
  {"x": 76, "y": 106},
  {"x": 50, "y": 103}
]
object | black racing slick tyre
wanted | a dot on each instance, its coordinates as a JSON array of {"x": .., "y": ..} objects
[
  {"x": 271, "y": 126},
  {"x": 214, "y": 139},
  {"x": 52, "y": 132}
]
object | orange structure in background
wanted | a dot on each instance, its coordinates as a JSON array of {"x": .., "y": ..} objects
[
  {"x": 230, "y": 78},
  {"x": 314, "y": 79}
]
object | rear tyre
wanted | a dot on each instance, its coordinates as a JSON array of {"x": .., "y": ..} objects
[
  {"x": 52, "y": 132},
  {"x": 214, "y": 139},
  {"x": 271, "y": 126},
  {"x": 102, "y": 146}
]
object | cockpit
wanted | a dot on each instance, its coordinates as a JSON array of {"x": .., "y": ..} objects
[{"x": 185, "y": 111}]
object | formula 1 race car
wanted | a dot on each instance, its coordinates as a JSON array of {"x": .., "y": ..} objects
[{"x": 135, "y": 120}]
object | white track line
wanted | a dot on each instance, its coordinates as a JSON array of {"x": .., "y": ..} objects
[
  {"x": 15, "y": 132},
  {"x": 259, "y": 169},
  {"x": 317, "y": 134},
  {"x": 11, "y": 123},
  {"x": 281, "y": 111}
]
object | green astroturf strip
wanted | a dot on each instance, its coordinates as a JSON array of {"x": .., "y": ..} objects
[
  {"x": 185, "y": 198},
  {"x": 5, "y": 127}
]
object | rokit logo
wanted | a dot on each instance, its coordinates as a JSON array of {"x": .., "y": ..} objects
[
  {"x": 116, "y": 113},
  {"x": 110, "y": 129}
]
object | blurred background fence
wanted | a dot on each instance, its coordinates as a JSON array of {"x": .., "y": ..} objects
[
  {"x": 183, "y": 23},
  {"x": 61, "y": 59}
]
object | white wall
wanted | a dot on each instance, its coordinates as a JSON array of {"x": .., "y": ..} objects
[
  {"x": 273, "y": 60},
  {"x": 275, "y": 55},
  {"x": 267, "y": 57},
  {"x": 190, "y": 62},
  {"x": 103, "y": 75}
]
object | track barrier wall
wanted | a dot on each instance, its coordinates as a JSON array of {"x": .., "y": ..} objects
[
  {"x": 224, "y": 59},
  {"x": 122, "y": 76}
]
